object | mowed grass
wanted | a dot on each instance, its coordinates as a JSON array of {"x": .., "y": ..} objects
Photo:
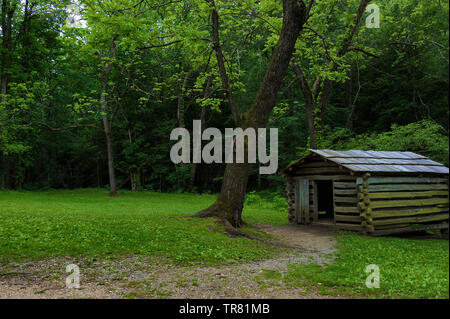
[
  {"x": 87, "y": 222},
  {"x": 408, "y": 268}
]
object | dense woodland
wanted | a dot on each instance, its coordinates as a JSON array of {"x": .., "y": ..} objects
[{"x": 90, "y": 90}]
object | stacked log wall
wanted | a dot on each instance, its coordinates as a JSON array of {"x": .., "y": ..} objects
[
  {"x": 290, "y": 190},
  {"x": 345, "y": 198},
  {"x": 402, "y": 204}
]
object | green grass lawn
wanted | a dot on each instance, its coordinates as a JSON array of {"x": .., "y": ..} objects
[
  {"x": 409, "y": 268},
  {"x": 87, "y": 222}
]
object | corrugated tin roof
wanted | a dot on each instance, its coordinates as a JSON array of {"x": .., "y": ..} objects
[{"x": 380, "y": 161}]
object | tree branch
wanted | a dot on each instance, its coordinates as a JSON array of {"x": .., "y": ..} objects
[
  {"x": 363, "y": 51},
  {"x": 159, "y": 45},
  {"x": 66, "y": 127}
]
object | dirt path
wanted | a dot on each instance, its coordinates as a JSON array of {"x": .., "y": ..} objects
[
  {"x": 145, "y": 277},
  {"x": 311, "y": 238}
]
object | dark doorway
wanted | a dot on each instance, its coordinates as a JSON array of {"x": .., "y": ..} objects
[{"x": 325, "y": 200}]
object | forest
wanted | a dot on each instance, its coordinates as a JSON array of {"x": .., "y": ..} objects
[
  {"x": 91, "y": 91},
  {"x": 83, "y": 80}
]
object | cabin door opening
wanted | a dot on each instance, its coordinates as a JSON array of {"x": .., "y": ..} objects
[{"x": 325, "y": 205}]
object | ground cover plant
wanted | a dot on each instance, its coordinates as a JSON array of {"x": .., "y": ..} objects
[
  {"x": 86, "y": 223},
  {"x": 409, "y": 268}
]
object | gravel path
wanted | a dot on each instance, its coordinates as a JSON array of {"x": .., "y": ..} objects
[{"x": 150, "y": 277}]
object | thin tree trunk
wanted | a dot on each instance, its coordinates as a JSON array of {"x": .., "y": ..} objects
[
  {"x": 317, "y": 96},
  {"x": 109, "y": 145},
  {"x": 133, "y": 175},
  {"x": 230, "y": 203},
  {"x": 327, "y": 84},
  {"x": 111, "y": 171},
  {"x": 25, "y": 34},
  {"x": 98, "y": 173},
  {"x": 180, "y": 109},
  {"x": 194, "y": 166},
  {"x": 349, "y": 100},
  {"x": 133, "y": 182},
  {"x": 107, "y": 123},
  {"x": 311, "y": 127},
  {"x": 308, "y": 105},
  {"x": 6, "y": 183},
  {"x": 8, "y": 10},
  {"x": 206, "y": 95}
]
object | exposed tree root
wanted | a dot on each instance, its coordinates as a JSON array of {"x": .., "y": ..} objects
[
  {"x": 223, "y": 211},
  {"x": 232, "y": 231},
  {"x": 215, "y": 211}
]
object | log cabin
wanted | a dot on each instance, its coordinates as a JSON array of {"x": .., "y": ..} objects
[{"x": 372, "y": 192}]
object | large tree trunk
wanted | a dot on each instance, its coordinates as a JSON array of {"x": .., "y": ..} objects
[{"x": 230, "y": 203}]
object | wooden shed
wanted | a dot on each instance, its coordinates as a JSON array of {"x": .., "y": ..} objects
[{"x": 373, "y": 192}]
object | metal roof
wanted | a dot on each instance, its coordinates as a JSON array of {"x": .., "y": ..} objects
[{"x": 380, "y": 161}]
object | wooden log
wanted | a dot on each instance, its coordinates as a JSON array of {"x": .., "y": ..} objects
[
  {"x": 353, "y": 227},
  {"x": 346, "y": 191},
  {"x": 344, "y": 185},
  {"x": 381, "y": 227},
  {"x": 406, "y": 194},
  {"x": 408, "y": 203},
  {"x": 405, "y": 187},
  {"x": 411, "y": 220},
  {"x": 343, "y": 210},
  {"x": 368, "y": 228},
  {"x": 345, "y": 180},
  {"x": 407, "y": 212},
  {"x": 325, "y": 177},
  {"x": 409, "y": 229},
  {"x": 340, "y": 199},
  {"x": 403, "y": 180},
  {"x": 348, "y": 218}
]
